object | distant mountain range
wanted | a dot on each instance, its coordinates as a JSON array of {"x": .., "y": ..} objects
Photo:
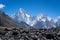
[
  {"x": 21, "y": 18},
  {"x": 39, "y": 21}
]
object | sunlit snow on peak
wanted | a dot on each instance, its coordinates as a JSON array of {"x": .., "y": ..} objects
[{"x": 39, "y": 20}]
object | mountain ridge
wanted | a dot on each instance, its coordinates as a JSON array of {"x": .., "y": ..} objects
[
  {"x": 38, "y": 21},
  {"x": 7, "y": 21}
]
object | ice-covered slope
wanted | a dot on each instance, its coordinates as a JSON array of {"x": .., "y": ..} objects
[
  {"x": 22, "y": 17},
  {"x": 57, "y": 21},
  {"x": 43, "y": 21}
]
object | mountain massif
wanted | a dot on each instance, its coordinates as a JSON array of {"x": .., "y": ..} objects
[
  {"x": 39, "y": 21},
  {"x": 21, "y": 18}
]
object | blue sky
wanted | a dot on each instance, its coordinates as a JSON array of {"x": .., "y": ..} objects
[{"x": 32, "y": 7}]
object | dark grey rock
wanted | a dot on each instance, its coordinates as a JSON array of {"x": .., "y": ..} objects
[{"x": 31, "y": 34}]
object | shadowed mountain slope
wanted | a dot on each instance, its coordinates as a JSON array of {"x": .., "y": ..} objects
[{"x": 6, "y": 21}]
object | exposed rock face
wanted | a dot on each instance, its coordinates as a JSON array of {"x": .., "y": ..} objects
[{"x": 30, "y": 34}]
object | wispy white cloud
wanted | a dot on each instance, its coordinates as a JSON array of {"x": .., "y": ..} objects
[{"x": 2, "y": 6}]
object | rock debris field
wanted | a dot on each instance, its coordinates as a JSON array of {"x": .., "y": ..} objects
[{"x": 30, "y": 34}]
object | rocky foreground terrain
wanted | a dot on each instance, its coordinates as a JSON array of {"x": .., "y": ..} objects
[{"x": 29, "y": 34}]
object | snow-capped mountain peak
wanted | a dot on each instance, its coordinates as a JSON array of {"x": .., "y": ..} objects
[
  {"x": 38, "y": 21},
  {"x": 43, "y": 17},
  {"x": 21, "y": 10},
  {"x": 57, "y": 19},
  {"x": 22, "y": 16}
]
